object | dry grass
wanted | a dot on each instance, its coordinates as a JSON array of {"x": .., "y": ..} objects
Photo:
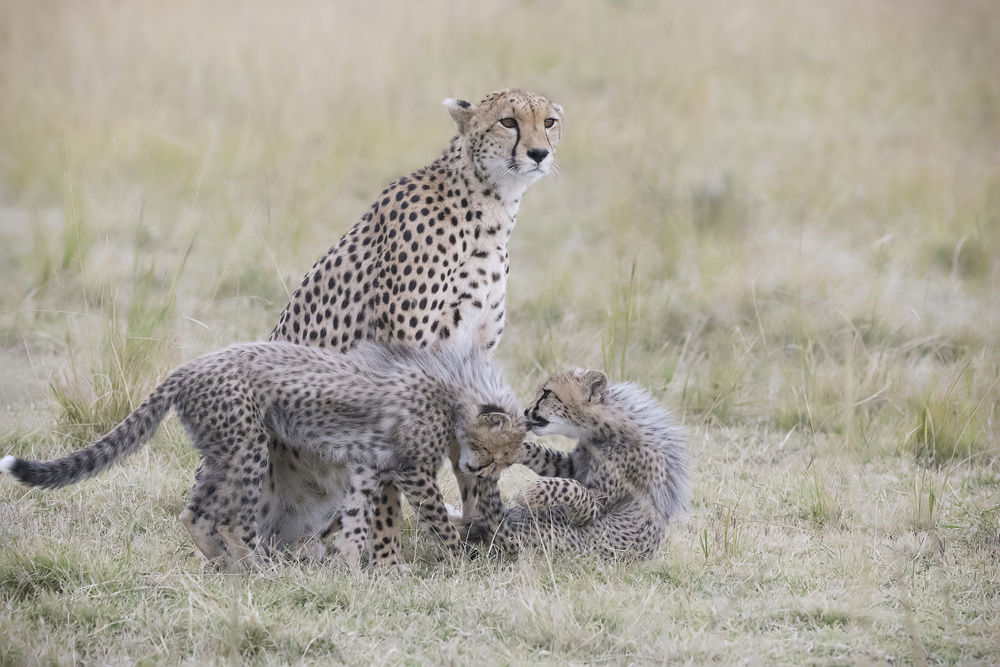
[{"x": 784, "y": 217}]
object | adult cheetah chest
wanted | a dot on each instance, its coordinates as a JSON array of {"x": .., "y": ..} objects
[
  {"x": 478, "y": 298},
  {"x": 451, "y": 292}
]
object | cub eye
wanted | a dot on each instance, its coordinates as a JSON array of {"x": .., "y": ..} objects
[
  {"x": 545, "y": 393},
  {"x": 549, "y": 122},
  {"x": 508, "y": 122}
]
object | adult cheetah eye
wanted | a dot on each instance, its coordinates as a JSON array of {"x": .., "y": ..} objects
[
  {"x": 549, "y": 122},
  {"x": 508, "y": 122}
]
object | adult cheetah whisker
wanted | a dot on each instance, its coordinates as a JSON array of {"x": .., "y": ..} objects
[{"x": 558, "y": 173}]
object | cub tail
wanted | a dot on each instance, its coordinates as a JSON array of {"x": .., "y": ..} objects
[{"x": 123, "y": 440}]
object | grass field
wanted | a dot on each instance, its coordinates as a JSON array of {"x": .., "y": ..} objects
[{"x": 782, "y": 217}]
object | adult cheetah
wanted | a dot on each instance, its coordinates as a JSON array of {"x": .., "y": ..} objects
[{"x": 427, "y": 264}]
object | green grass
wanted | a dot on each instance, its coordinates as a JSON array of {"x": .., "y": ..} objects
[{"x": 784, "y": 219}]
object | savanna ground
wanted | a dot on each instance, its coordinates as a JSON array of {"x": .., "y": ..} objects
[{"x": 784, "y": 218}]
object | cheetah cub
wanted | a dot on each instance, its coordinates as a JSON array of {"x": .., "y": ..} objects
[
  {"x": 371, "y": 416},
  {"x": 616, "y": 491}
]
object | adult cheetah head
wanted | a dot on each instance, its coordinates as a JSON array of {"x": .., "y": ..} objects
[
  {"x": 490, "y": 441},
  {"x": 566, "y": 404},
  {"x": 511, "y": 136}
]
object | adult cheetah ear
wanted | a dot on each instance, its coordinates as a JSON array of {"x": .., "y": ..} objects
[
  {"x": 496, "y": 421},
  {"x": 598, "y": 384},
  {"x": 461, "y": 112}
]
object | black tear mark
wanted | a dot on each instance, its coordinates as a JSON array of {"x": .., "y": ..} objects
[{"x": 517, "y": 127}]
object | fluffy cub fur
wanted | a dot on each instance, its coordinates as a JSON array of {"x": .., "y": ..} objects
[{"x": 616, "y": 492}]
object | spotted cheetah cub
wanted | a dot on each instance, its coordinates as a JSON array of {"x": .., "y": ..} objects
[
  {"x": 374, "y": 415},
  {"x": 616, "y": 491}
]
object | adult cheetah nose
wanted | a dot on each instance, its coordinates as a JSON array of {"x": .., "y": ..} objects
[{"x": 537, "y": 154}]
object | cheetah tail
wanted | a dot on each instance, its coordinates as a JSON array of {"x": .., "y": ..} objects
[{"x": 123, "y": 440}]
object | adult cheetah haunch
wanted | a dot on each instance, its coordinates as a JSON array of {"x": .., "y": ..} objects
[{"x": 427, "y": 264}]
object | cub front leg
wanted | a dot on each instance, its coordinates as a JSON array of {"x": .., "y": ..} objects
[
  {"x": 552, "y": 462},
  {"x": 466, "y": 485},
  {"x": 424, "y": 495},
  {"x": 357, "y": 514},
  {"x": 494, "y": 525},
  {"x": 582, "y": 505}
]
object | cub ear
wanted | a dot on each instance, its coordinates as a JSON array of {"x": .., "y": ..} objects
[
  {"x": 461, "y": 112},
  {"x": 558, "y": 108},
  {"x": 597, "y": 383},
  {"x": 496, "y": 421}
]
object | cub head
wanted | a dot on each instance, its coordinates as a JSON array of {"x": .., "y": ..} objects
[
  {"x": 511, "y": 137},
  {"x": 565, "y": 404},
  {"x": 489, "y": 441}
]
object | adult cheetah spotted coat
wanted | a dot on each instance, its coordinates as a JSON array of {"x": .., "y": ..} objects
[{"x": 427, "y": 264}]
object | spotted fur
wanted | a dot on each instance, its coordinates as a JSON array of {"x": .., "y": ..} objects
[
  {"x": 616, "y": 491},
  {"x": 346, "y": 424},
  {"x": 427, "y": 265}
]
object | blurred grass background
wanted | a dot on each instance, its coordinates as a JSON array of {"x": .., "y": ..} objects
[{"x": 783, "y": 217}]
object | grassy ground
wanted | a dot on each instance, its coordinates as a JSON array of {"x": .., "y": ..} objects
[{"x": 783, "y": 217}]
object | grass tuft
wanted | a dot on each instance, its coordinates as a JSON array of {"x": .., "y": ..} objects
[{"x": 124, "y": 367}]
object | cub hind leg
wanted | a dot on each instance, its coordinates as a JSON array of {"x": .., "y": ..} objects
[
  {"x": 200, "y": 516},
  {"x": 583, "y": 506},
  {"x": 222, "y": 515},
  {"x": 239, "y": 526}
]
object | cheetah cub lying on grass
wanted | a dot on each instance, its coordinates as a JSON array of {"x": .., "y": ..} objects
[
  {"x": 615, "y": 492},
  {"x": 350, "y": 423}
]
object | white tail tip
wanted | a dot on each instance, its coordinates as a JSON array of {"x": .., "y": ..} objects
[
  {"x": 453, "y": 512},
  {"x": 7, "y": 463}
]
